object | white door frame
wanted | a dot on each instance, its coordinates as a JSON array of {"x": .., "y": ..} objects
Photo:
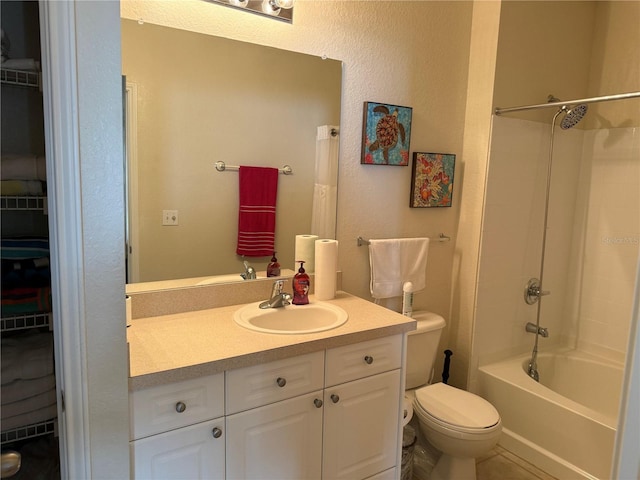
[{"x": 80, "y": 43}]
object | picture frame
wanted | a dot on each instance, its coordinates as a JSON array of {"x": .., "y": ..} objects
[
  {"x": 432, "y": 179},
  {"x": 386, "y": 134}
]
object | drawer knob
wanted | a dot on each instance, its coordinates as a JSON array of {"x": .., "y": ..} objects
[
  {"x": 181, "y": 407},
  {"x": 317, "y": 402},
  {"x": 335, "y": 398},
  {"x": 368, "y": 359},
  {"x": 281, "y": 382},
  {"x": 216, "y": 432}
]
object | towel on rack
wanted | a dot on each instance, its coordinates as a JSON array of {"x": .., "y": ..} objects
[
  {"x": 21, "y": 248},
  {"x": 21, "y": 389},
  {"x": 26, "y": 405},
  {"x": 27, "y": 64},
  {"x": 26, "y": 356},
  {"x": 257, "y": 212},
  {"x": 23, "y": 167},
  {"x": 23, "y": 300},
  {"x": 396, "y": 261},
  {"x": 34, "y": 416},
  {"x": 23, "y": 187}
]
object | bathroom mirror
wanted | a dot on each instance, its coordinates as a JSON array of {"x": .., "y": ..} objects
[{"x": 195, "y": 99}]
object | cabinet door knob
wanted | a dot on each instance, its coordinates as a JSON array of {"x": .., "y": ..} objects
[
  {"x": 335, "y": 398},
  {"x": 181, "y": 407},
  {"x": 281, "y": 382},
  {"x": 216, "y": 432},
  {"x": 317, "y": 402},
  {"x": 368, "y": 359}
]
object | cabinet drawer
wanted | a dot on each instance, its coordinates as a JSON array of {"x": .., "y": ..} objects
[
  {"x": 363, "y": 359},
  {"x": 166, "y": 407},
  {"x": 258, "y": 385}
]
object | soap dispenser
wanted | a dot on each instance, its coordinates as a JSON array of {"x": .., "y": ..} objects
[
  {"x": 300, "y": 286},
  {"x": 273, "y": 269}
]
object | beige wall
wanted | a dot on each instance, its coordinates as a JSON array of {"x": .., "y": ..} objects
[
  {"x": 405, "y": 53},
  {"x": 573, "y": 50},
  {"x": 201, "y": 99},
  {"x": 615, "y": 64}
]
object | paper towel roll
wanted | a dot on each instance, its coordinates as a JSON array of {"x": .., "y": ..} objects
[
  {"x": 326, "y": 273},
  {"x": 305, "y": 250}
]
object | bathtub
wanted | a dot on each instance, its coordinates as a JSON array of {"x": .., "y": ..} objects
[{"x": 566, "y": 424}]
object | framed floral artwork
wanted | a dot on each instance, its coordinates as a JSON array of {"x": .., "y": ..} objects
[
  {"x": 386, "y": 134},
  {"x": 432, "y": 179}
]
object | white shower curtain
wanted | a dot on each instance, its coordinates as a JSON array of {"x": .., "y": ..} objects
[{"x": 325, "y": 190}]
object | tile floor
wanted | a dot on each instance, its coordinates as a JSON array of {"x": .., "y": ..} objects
[{"x": 500, "y": 464}]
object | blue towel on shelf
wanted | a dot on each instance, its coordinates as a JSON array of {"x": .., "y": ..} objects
[{"x": 24, "y": 248}]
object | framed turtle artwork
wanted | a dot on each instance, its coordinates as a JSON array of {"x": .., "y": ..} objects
[
  {"x": 432, "y": 179},
  {"x": 386, "y": 133}
]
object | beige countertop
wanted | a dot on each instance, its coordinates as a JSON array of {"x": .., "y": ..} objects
[{"x": 180, "y": 346}]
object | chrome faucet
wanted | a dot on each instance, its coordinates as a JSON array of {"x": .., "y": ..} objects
[
  {"x": 278, "y": 297},
  {"x": 249, "y": 272},
  {"x": 533, "y": 328}
]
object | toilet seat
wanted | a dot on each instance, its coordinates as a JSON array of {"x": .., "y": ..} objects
[{"x": 456, "y": 410}]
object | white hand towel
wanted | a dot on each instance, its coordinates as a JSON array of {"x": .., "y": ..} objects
[{"x": 396, "y": 261}]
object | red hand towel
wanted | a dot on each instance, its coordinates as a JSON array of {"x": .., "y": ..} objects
[{"x": 257, "y": 214}]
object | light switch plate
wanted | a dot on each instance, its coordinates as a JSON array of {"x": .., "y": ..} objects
[{"x": 170, "y": 217}]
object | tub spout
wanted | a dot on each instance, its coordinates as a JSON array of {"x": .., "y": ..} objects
[{"x": 533, "y": 328}]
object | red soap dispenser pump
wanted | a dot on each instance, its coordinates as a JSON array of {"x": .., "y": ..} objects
[
  {"x": 273, "y": 269},
  {"x": 300, "y": 286}
]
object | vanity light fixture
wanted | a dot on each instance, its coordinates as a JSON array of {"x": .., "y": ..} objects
[{"x": 277, "y": 9}]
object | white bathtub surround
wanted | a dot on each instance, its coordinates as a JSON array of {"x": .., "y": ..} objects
[
  {"x": 593, "y": 242},
  {"x": 592, "y": 245},
  {"x": 554, "y": 426}
]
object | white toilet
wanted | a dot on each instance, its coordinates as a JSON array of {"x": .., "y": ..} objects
[{"x": 461, "y": 425}]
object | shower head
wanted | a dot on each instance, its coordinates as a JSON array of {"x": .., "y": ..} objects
[{"x": 573, "y": 115}]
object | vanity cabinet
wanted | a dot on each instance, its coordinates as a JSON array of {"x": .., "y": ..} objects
[
  {"x": 330, "y": 414},
  {"x": 177, "y": 430}
]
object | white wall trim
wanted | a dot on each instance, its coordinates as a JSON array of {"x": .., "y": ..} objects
[{"x": 57, "y": 24}]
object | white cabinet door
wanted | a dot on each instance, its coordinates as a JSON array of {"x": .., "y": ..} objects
[
  {"x": 361, "y": 427},
  {"x": 195, "y": 453},
  {"x": 279, "y": 441}
]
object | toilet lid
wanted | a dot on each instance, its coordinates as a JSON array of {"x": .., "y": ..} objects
[{"x": 456, "y": 407}]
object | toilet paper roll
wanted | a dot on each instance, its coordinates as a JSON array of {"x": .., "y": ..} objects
[
  {"x": 305, "y": 251},
  {"x": 326, "y": 273},
  {"x": 127, "y": 302}
]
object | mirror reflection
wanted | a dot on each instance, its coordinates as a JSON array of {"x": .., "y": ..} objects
[{"x": 193, "y": 100}]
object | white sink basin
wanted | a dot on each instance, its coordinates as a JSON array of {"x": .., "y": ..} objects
[{"x": 292, "y": 319}]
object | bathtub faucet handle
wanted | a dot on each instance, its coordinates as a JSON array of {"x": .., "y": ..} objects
[
  {"x": 533, "y": 291},
  {"x": 533, "y": 328}
]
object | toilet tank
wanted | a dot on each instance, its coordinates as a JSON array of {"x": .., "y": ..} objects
[{"x": 422, "y": 348}]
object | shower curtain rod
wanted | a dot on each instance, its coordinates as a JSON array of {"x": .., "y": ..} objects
[{"x": 606, "y": 98}]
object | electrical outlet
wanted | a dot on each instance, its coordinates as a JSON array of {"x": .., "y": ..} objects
[{"x": 170, "y": 217}]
